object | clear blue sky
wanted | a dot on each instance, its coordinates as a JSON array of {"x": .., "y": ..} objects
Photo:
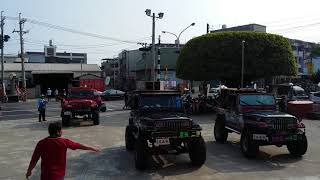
[{"x": 126, "y": 20}]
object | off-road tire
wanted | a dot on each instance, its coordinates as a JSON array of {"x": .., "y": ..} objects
[
  {"x": 129, "y": 138},
  {"x": 96, "y": 117},
  {"x": 66, "y": 121},
  {"x": 248, "y": 147},
  {"x": 103, "y": 109},
  {"x": 197, "y": 151},
  {"x": 298, "y": 148},
  {"x": 141, "y": 155},
  {"x": 220, "y": 131}
]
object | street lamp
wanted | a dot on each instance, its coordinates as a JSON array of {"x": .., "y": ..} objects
[
  {"x": 242, "y": 62},
  {"x": 153, "y": 16},
  {"x": 177, "y": 41}
]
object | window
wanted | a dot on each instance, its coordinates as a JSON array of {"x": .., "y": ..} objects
[
  {"x": 257, "y": 99},
  {"x": 163, "y": 101}
]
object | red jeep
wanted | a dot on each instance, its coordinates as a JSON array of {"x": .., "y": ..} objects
[{"x": 81, "y": 101}]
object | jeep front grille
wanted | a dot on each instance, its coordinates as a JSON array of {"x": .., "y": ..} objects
[
  {"x": 283, "y": 124},
  {"x": 173, "y": 125}
]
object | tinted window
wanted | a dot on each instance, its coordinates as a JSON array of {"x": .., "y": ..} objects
[
  {"x": 164, "y": 101},
  {"x": 83, "y": 93},
  {"x": 257, "y": 99}
]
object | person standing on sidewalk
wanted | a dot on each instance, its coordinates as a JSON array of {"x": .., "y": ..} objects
[
  {"x": 56, "y": 94},
  {"x": 42, "y": 108},
  {"x": 53, "y": 151},
  {"x": 49, "y": 93}
]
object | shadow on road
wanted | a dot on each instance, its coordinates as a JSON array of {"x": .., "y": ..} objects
[
  {"x": 117, "y": 163},
  {"x": 228, "y": 158}
]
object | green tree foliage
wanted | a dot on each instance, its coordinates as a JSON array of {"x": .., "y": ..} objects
[
  {"x": 218, "y": 56},
  {"x": 316, "y": 77},
  {"x": 315, "y": 51}
]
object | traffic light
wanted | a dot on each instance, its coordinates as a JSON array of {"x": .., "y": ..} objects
[{"x": 6, "y": 38}]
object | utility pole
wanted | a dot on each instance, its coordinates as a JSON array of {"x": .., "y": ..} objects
[
  {"x": 2, "y": 58},
  {"x": 158, "y": 66},
  {"x": 153, "y": 46},
  {"x": 242, "y": 63},
  {"x": 21, "y": 33}
]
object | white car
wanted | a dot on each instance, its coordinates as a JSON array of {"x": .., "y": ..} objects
[{"x": 315, "y": 97}]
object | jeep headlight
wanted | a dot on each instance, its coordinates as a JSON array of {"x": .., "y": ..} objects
[{"x": 198, "y": 133}]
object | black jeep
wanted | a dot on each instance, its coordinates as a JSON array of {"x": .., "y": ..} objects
[
  {"x": 158, "y": 125},
  {"x": 253, "y": 115}
]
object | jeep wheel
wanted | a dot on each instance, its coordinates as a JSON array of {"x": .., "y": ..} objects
[
  {"x": 103, "y": 109},
  {"x": 298, "y": 148},
  {"x": 248, "y": 147},
  {"x": 66, "y": 121},
  {"x": 220, "y": 131},
  {"x": 95, "y": 117},
  {"x": 197, "y": 151},
  {"x": 141, "y": 154},
  {"x": 129, "y": 139}
]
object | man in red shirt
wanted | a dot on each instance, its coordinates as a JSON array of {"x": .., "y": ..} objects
[{"x": 53, "y": 151}]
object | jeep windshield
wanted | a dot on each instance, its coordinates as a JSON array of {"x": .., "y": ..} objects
[
  {"x": 162, "y": 102},
  {"x": 257, "y": 100},
  {"x": 80, "y": 94}
]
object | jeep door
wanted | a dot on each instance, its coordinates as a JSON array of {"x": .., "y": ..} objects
[{"x": 232, "y": 112}]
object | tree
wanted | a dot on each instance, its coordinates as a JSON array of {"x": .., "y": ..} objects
[
  {"x": 218, "y": 56},
  {"x": 316, "y": 77},
  {"x": 315, "y": 51}
]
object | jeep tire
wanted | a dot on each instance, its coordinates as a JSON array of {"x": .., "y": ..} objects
[
  {"x": 66, "y": 121},
  {"x": 141, "y": 154},
  {"x": 248, "y": 147},
  {"x": 96, "y": 117},
  {"x": 197, "y": 151},
  {"x": 129, "y": 138},
  {"x": 103, "y": 109},
  {"x": 298, "y": 148},
  {"x": 220, "y": 131}
]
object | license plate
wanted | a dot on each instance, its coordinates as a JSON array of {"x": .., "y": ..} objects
[
  {"x": 68, "y": 113},
  {"x": 184, "y": 134},
  {"x": 163, "y": 141},
  {"x": 292, "y": 138},
  {"x": 261, "y": 137}
]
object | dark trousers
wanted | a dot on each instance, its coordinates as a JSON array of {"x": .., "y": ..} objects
[{"x": 42, "y": 113}]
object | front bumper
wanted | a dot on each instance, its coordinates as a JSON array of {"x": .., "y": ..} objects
[
  {"x": 176, "y": 141},
  {"x": 281, "y": 138}
]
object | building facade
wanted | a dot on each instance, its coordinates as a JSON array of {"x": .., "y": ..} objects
[
  {"x": 110, "y": 71},
  {"x": 248, "y": 27}
]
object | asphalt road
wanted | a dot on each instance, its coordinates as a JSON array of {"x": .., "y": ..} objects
[
  {"x": 224, "y": 161},
  {"x": 21, "y": 110}
]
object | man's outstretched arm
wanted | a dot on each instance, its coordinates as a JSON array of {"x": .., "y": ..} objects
[
  {"x": 35, "y": 157},
  {"x": 88, "y": 148}
]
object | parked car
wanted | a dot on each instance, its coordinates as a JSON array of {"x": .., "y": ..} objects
[
  {"x": 112, "y": 94},
  {"x": 253, "y": 115},
  {"x": 315, "y": 97}
]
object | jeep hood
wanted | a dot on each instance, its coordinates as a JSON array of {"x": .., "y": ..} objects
[{"x": 268, "y": 114}]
